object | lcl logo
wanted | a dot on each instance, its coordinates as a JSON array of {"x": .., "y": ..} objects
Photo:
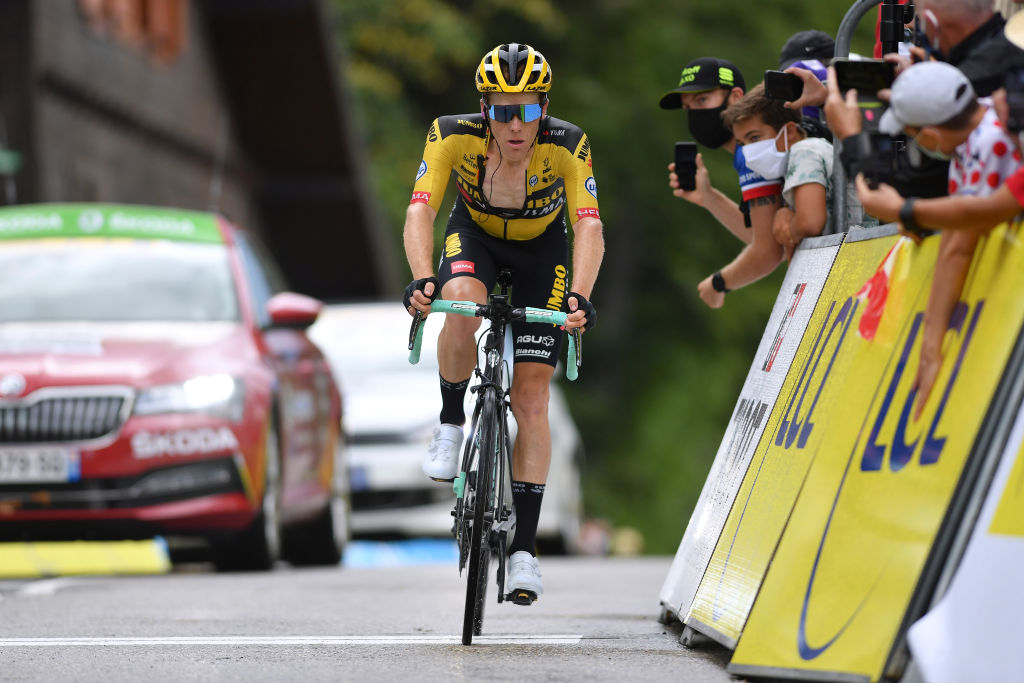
[{"x": 12, "y": 384}]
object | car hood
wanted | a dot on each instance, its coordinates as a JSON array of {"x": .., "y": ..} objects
[{"x": 133, "y": 353}]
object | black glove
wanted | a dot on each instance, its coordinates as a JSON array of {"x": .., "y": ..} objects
[
  {"x": 420, "y": 285},
  {"x": 583, "y": 305}
]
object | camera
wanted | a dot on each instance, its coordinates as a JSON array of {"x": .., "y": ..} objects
[
  {"x": 890, "y": 160},
  {"x": 1015, "y": 101}
]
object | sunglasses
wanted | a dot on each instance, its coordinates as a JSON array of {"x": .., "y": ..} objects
[{"x": 503, "y": 113}]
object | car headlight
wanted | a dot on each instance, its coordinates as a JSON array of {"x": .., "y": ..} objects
[{"x": 216, "y": 395}]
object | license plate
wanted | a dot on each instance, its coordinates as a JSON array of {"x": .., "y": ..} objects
[{"x": 39, "y": 465}]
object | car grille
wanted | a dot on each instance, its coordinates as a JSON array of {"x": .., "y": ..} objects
[{"x": 60, "y": 418}]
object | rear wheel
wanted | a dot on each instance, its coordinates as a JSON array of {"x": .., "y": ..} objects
[
  {"x": 482, "y": 502},
  {"x": 259, "y": 545}
]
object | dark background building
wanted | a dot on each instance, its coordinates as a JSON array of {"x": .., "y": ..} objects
[{"x": 229, "y": 105}]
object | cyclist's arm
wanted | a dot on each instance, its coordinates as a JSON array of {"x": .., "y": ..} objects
[
  {"x": 587, "y": 254},
  {"x": 418, "y": 237}
]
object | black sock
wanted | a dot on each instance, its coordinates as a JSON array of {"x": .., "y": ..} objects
[
  {"x": 527, "y": 498},
  {"x": 453, "y": 394}
]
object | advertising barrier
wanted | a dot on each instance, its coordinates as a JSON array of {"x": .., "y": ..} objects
[
  {"x": 971, "y": 634},
  {"x": 797, "y": 298},
  {"x": 811, "y": 398},
  {"x": 834, "y": 599}
]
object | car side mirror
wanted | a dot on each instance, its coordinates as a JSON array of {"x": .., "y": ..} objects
[{"x": 291, "y": 310}]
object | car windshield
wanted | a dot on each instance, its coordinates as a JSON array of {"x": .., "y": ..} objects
[{"x": 115, "y": 280}]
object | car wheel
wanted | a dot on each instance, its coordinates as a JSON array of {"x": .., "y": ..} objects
[
  {"x": 322, "y": 540},
  {"x": 259, "y": 545}
]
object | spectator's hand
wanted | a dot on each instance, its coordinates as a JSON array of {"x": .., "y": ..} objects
[
  {"x": 814, "y": 93},
  {"x": 902, "y": 62},
  {"x": 884, "y": 203},
  {"x": 780, "y": 230},
  {"x": 699, "y": 195},
  {"x": 927, "y": 372},
  {"x": 712, "y": 298},
  {"x": 843, "y": 114}
]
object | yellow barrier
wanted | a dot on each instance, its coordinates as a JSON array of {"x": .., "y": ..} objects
[
  {"x": 35, "y": 560},
  {"x": 795, "y": 429},
  {"x": 845, "y": 570}
]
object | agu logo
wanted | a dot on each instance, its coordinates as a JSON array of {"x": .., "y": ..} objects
[
  {"x": 423, "y": 170},
  {"x": 591, "y": 186}
]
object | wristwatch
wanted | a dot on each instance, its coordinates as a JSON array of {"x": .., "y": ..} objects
[
  {"x": 718, "y": 282},
  {"x": 907, "y": 216}
]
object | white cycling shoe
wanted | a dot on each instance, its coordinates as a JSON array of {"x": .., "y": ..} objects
[
  {"x": 442, "y": 461},
  {"x": 523, "y": 583}
]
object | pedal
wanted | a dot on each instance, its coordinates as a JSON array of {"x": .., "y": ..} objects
[{"x": 522, "y": 597}]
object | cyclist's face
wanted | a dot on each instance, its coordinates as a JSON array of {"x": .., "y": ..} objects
[{"x": 515, "y": 136}]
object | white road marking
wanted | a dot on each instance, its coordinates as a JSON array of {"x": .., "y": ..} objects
[
  {"x": 45, "y": 586},
  {"x": 291, "y": 640}
]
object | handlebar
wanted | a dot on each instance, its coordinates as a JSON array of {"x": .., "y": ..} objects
[{"x": 472, "y": 310}]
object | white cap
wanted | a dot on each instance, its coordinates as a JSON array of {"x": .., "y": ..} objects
[{"x": 926, "y": 94}]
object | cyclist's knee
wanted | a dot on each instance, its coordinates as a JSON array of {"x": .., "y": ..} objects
[
  {"x": 529, "y": 396},
  {"x": 461, "y": 328}
]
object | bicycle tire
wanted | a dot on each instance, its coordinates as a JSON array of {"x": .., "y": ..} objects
[{"x": 480, "y": 550}]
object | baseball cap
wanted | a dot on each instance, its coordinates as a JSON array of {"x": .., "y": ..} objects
[
  {"x": 700, "y": 75},
  {"x": 807, "y": 45},
  {"x": 926, "y": 94}
]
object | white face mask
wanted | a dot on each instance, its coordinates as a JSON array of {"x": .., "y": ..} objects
[{"x": 763, "y": 158}]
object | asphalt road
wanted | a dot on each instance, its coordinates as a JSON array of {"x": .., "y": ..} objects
[{"x": 597, "y": 620}]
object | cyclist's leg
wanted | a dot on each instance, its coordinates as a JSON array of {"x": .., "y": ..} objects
[
  {"x": 466, "y": 273},
  {"x": 540, "y": 281}
]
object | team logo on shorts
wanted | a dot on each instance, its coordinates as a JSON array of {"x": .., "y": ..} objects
[
  {"x": 463, "y": 267},
  {"x": 423, "y": 170},
  {"x": 591, "y": 186}
]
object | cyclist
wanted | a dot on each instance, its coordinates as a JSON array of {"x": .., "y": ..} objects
[{"x": 521, "y": 176}]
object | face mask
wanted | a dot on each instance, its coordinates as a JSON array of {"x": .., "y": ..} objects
[
  {"x": 936, "y": 154},
  {"x": 706, "y": 126},
  {"x": 764, "y": 159}
]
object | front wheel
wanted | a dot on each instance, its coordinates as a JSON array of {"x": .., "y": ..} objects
[{"x": 480, "y": 499}]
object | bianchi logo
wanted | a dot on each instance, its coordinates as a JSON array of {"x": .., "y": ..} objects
[
  {"x": 537, "y": 353},
  {"x": 90, "y": 220}
]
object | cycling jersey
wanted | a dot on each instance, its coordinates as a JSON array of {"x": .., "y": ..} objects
[{"x": 560, "y": 175}]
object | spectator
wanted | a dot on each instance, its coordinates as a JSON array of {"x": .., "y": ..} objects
[
  {"x": 969, "y": 35},
  {"x": 706, "y": 87},
  {"x": 935, "y": 105},
  {"x": 776, "y": 145},
  {"x": 807, "y": 54}
]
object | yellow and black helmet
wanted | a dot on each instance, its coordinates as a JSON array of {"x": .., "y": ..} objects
[{"x": 535, "y": 75}]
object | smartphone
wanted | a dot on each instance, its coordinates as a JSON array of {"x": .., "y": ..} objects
[
  {"x": 686, "y": 165},
  {"x": 779, "y": 85},
  {"x": 866, "y": 76}
]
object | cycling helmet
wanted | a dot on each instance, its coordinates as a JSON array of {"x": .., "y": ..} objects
[{"x": 536, "y": 70}]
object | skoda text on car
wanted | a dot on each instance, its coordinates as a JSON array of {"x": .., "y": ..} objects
[
  {"x": 391, "y": 409},
  {"x": 155, "y": 378}
]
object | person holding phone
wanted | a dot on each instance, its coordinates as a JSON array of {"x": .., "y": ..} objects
[
  {"x": 934, "y": 104},
  {"x": 706, "y": 87}
]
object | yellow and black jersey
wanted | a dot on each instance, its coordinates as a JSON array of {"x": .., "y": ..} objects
[{"x": 560, "y": 175}]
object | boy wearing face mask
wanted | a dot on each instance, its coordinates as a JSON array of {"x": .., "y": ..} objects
[
  {"x": 706, "y": 87},
  {"x": 775, "y": 145}
]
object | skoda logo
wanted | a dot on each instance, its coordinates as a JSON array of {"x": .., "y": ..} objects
[
  {"x": 12, "y": 384},
  {"x": 90, "y": 221}
]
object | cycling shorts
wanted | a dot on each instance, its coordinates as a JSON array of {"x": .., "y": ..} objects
[{"x": 540, "y": 276}]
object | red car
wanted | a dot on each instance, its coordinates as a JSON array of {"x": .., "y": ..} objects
[{"x": 156, "y": 379}]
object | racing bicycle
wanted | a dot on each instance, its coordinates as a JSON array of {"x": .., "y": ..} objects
[{"x": 484, "y": 521}]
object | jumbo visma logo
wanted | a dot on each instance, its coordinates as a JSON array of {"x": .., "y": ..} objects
[{"x": 884, "y": 444}]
